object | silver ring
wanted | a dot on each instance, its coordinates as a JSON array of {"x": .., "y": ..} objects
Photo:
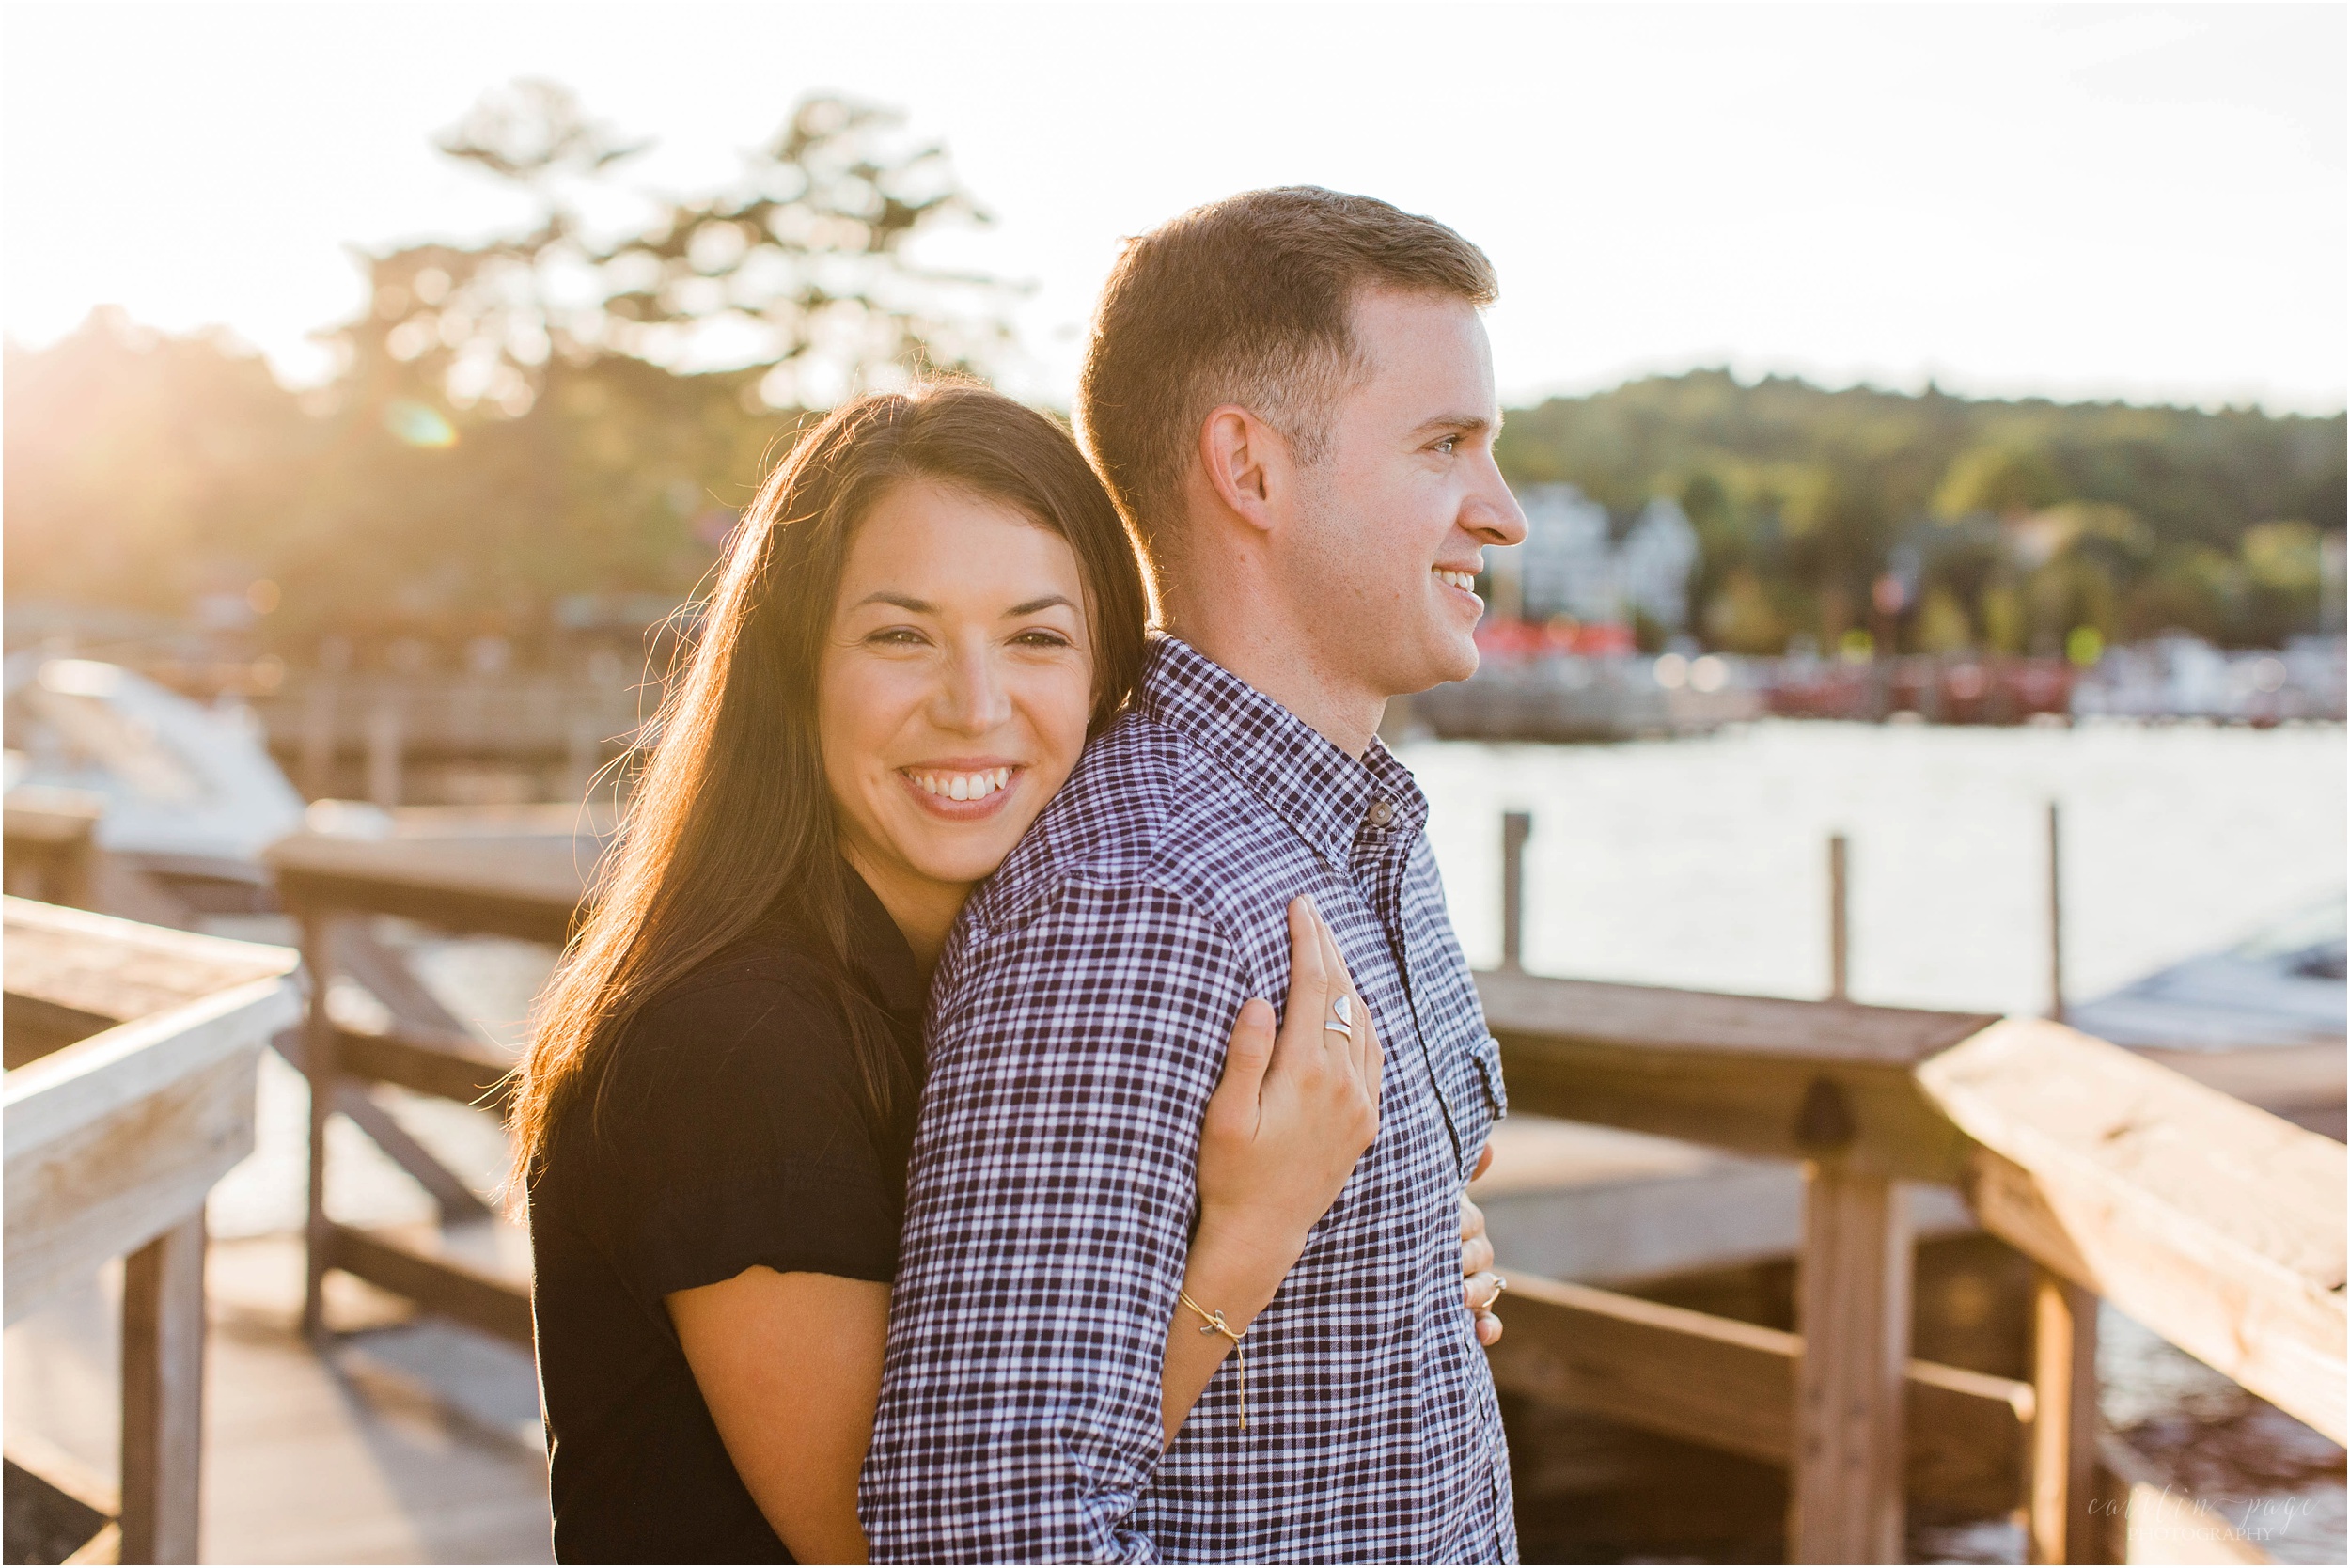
[
  {"x": 1343, "y": 1009},
  {"x": 1499, "y": 1285}
]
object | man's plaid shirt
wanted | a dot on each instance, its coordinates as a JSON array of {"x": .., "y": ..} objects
[{"x": 1081, "y": 1013}]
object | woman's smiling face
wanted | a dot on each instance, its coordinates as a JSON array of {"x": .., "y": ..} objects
[{"x": 955, "y": 691}]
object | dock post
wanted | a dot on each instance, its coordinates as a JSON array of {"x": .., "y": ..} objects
[
  {"x": 2056, "y": 912},
  {"x": 318, "y": 1065},
  {"x": 1839, "y": 921},
  {"x": 1852, "y": 1308},
  {"x": 383, "y": 741},
  {"x": 2064, "y": 1423},
  {"x": 318, "y": 738},
  {"x": 1517, "y": 826},
  {"x": 162, "y": 1394}
]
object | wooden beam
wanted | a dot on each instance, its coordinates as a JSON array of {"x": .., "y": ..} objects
[
  {"x": 1852, "y": 1305},
  {"x": 31, "y": 1027},
  {"x": 117, "y": 970},
  {"x": 1737, "y": 1073},
  {"x": 162, "y": 1394},
  {"x": 51, "y": 834},
  {"x": 454, "y": 1290},
  {"x": 2062, "y": 1528},
  {"x": 450, "y": 1195},
  {"x": 110, "y": 1141},
  {"x": 532, "y": 889},
  {"x": 319, "y": 1039},
  {"x": 453, "y": 1067},
  {"x": 1731, "y": 1386},
  {"x": 2219, "y": 1226}
]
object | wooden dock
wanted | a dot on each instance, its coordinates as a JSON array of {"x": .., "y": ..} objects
[
  {"x": 399, "y": 1439},
  {"x": 380, "y": 1410}
]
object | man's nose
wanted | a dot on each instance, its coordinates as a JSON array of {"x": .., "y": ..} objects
[
  {"x": 1490, "y": 513},
  {"x": 972, "y": 700}
]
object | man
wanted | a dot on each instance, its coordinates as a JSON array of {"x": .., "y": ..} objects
[{"x": 1291, "y": 395}]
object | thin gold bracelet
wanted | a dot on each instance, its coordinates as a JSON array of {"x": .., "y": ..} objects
[{"x": 1215, "y": 1325}]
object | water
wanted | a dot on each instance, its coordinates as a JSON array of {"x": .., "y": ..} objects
[{"x": 1703, "y": 863}]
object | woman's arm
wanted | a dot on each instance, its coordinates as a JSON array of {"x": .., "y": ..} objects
[{"x": 791, "y": 1366}]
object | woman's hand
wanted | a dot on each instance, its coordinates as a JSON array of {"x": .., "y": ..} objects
[
  {"x": 1292, "y": 1116},
  {"x": 1480, "y": 1287},
  {"x": 1296, "y": 1111}
]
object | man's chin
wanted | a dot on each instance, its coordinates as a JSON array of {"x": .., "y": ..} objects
[{"x": 1446, "y": 661}]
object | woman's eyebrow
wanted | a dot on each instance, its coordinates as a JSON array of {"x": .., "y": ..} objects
[
  {"x": 919, "y": 607},
  {"x": 1035, "y": 605}
]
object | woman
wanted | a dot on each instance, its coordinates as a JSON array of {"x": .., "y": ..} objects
[{"x": 929, "y": 609}]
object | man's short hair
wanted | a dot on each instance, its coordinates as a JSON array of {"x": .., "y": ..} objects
[{"x": 1245, "y": 301}]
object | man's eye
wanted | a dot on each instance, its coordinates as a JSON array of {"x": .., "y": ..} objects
[{"x": 1449, "y": 445}]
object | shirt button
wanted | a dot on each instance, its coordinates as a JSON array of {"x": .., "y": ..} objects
[{"x": 1381, "y": 813}]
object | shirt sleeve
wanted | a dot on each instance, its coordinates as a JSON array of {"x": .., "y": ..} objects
[
  {"x": 1048, "y": 1213},
  {"x": 733, "y": 1132}
]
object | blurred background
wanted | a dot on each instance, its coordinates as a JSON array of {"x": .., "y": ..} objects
[{"x": 1926, "y": 416}]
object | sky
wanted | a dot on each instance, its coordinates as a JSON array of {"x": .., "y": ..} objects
[{"x": 2072, "y": 201}]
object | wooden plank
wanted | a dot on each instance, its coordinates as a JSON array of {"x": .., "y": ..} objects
[
  {"x": 51, "y": 840},
  {"x": 2063, "y": 1528},
  {"x": 450, "y": 1195},
  {"x": 1661, "y": 1018},
  {"x": 1882, "y": 1123},
  {"x": 1739, "y": 1073},
  {"x": 120, "y": 970},
  {"x": 318, "y": 1066},
  {"x": 1730, "y": 1385},
  {"x": 162, "y": 1394},
  {"x": 1852, "y": 1307},
  {"x": 110, "y": 1141},
  {"x": 362, "y": 956},
  {"x": 531, "y": 888},
  {"x": 454, "y": 1067},
  {"x": 441, "y": 1285},
  {"x": 31, "y": 1027},
  {"x": 2219, "y": 1226}
]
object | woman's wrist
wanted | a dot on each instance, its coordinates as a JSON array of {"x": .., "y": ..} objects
[{"x": 1242, "y": 1254}]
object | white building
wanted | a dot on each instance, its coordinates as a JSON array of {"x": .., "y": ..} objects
[{"x": 1571, "y": 565}]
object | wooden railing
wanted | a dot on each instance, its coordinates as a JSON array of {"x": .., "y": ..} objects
[
  {"x": 131, "y": 1053},
  {"x": 2217, "y": 1225},
  {"x": 2213, "y": 1223},
  {"x": 522, "y": 873}
]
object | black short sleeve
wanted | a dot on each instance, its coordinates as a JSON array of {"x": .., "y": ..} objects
[{"x": 734, "y": 1128}]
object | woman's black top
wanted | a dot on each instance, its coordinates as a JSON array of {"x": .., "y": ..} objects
[{"x": 730, "y": 1126}]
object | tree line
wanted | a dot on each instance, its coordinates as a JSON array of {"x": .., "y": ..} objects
[
  {"x": 1945, "y": 523},
  {"x": 574, "y": 409}
]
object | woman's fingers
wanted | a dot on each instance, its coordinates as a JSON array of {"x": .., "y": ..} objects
[{"x": 1233, "y": 1106}]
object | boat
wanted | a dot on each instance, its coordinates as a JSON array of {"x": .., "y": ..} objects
[{"x": 2263, "y": 1019}]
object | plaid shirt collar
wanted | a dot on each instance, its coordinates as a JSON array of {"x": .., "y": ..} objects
[{"x": 1329, "y": 799}]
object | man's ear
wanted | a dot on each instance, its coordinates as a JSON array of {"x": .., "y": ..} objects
[{"x": 1246, "y": 462}]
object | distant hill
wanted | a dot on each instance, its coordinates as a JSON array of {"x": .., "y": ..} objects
[{"x": 1806, "y": 498}]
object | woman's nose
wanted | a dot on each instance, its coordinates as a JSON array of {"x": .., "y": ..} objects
[{"x": 973, "y": 700}]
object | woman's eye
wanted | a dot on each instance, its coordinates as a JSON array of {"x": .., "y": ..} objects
[
  {"x": 896, "y": 636},
  {"x": 1041, "y": 639}
]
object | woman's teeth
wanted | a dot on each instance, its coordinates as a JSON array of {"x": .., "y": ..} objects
[
  {"x": 961, "y": 786},
  {"x": 1465, "y": 581}
]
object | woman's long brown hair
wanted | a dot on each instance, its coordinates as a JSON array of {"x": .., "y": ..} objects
[{"x": 732, "y": 810}]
